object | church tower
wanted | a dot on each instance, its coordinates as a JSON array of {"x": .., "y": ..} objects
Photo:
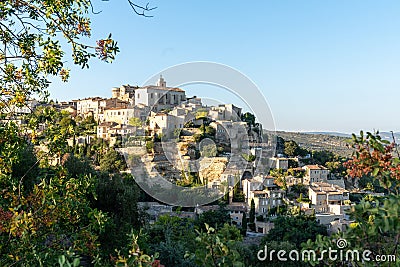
[{"x": 161, "y": 82}]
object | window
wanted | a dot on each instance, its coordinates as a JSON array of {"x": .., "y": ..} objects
[{"x": 151, "y": 95}]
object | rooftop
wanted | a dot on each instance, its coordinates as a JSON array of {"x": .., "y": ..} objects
[{"x": 315, "y": 167}]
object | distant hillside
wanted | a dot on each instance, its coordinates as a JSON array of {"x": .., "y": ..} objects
[
  {"x": 320, "y": 141},
  {"x": 385, "y": 135},
  {"x": 331, "y": 133}
]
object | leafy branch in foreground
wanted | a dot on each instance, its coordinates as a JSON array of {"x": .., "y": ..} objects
[
  {"x": 31, "y": 33},
  {"x": 375, "y": 157}
]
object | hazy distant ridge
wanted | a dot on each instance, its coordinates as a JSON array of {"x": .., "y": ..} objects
[{"x": 384, "y": 135}]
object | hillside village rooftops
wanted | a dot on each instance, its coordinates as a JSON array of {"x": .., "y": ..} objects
[
  {"x": 237, "y": 207},
  {"x": 322, "y": 187},
  {"x": 315, "y": 167}
]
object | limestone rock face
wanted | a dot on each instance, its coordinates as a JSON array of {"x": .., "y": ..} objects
[{"x": 212, "y": 168}]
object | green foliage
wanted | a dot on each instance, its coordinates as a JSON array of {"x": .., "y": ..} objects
[
  {"x": 295, "y": 230},
  {"x": 291, "y": 148},
  {"x": 112, "y": 162},
  {"x": 218, "y": 248},
  {"x": 243, "y": 230},
  {"x": 216, "y": 218},
  {"x": 375, "y": 157},
  {"x": 322, "y": 157},
  {"x": 249, "y": 118},
  {"x": 336, "y": 167},
  {"x": 302, "y": 199},
  {"x": 201, "y": 114},
  {"x": 118, "y": 196},
  {"x": 53, "y": 218},
  {"x": 238, "y": 195},
  {"x": 249, "y": 157},
  {"x": 278, "y": 173},
  {"x": 299, "y": 189},
  {"x": 189, "y": 124},
  {"x": 171, "y": 237},
  {"x": 76, "y": 166},
  {"x": 149, "y": 146},
  {"x": 25, "y": 167},
  {"x": 134, "y": 256},
  {"x": 296, "y": 173},
  {"x": 197, "y": 137},
  {"x": 135, "y": 122},
  {"x": 32, "y": 33},
  {"x": 87, "y": 125},
  {"x": 252, "y": 216},
  {"x": 177, "y": 132},
  {"x": 210, "y": 131}
]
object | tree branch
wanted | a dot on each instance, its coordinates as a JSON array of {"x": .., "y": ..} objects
[{"x": 140, "y": 10}]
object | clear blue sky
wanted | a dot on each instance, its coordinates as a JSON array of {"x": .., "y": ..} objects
[{"x": 322, "y": 65}]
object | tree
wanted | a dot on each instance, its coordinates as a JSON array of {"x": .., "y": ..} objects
[
  {"x": 112, "y": 162},
  {"x": 210, "y": 131},
  {"x": 376, "y": 157},
  {"x": 244, "y": 225},
  {"x": 249, "y": 157},
  {"x": 171, "y": 237},
  {"x": 32, "y": 33},
  {"x": 280, "y": 145},
  {"x": 252, "y": 215},
  {"x": 238, "y": 195},
  {"x": 149, "y": 146},
  {"x": 249, "y": 118},
  {"x": 135, "y": 122},
  {"x": 76, "y": 166},
  {"x": 322, "y": 157},
  {"x": 216, "y": 218},
  {"x": 295, "y": 230},
  {"x": 117, "y": 196},
  {"x": 291, "y": 148}
]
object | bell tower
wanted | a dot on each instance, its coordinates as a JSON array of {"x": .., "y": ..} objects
[{"x": 161, "y": 82}]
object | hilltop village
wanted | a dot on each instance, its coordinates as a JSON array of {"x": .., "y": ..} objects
[{"x": 262, "y": 182}]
